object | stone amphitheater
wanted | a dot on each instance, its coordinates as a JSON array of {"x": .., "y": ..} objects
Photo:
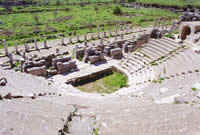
[{"x": 162, "y": 96}]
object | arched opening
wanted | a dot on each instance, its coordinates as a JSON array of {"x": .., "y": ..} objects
[{"x": 185, "y": 32}]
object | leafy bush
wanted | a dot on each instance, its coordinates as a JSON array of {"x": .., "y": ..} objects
[
  {"x": 131, "y": 0},
  {"x": 117, "y": 11}
]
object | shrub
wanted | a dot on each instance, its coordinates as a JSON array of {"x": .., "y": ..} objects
[
  {"x": 131, "y": 0},
  {"x": 194, "y": 89},
  {"x": 117, "y": 11}
]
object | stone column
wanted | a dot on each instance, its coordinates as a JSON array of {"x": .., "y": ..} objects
[
  {"x": 104, "y": 34},
  {"x": 11, "y": 60},
  {"x": 131, "y": 28},
  {"x": 85, "y": 55},
  {"x": 85, "y": 37},
  {"x": 36, "y": 45},
  {"x": 22, "y": 65},
  {"x": 123, "y": 48},
  {"x": 63, "y": 40},
  {"x": 110, "y": 33},
  {"x": 122, "y": 36},
  {"x": 5, "y": 47},
  {"x": 101, "y": 41},
  {"x": 24, "y": 55},
  {"x": 99, "y": 36},
  {"x": 127, "y": 29},
  {"x": 116, "y": 32},
  {"x": 115, "y": 38},
  {"x": 16, "y": 48},
  {"x": 98, "y": 28},
  {"x": 103, "y": 28},
  {"x": 45, "y": 44},
  {"x": 92, "y": 36},
  {"x": 78, "y": 38},
  {"x": 121, "y": 28},
  {"x": 75, "y": 51},
  {"x": 26, "y": 47},
  {"x": 85, "y": 43},
  {"x": 70, "y": 39}
]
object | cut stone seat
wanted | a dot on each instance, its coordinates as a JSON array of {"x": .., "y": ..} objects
[
  {"x": 166, "y": 44},
  {"x": 171, "y": 67},
  {"x": 173, "y": 85},
  {"x": 193, "y": 57},
  {"x": 169, "y": 43},
  {"x": 133, "y": 62},
  {"x": 154, "y": 51},
  {"x": 184, "y": 65},
  {"x": 140, "y": 62},
  {"x": 143, "y": 58},
  {"x": 138, "y": 54},
  {"x": 138, "y": 70},
  {"x": 125, "y": 67},
  {"x": 158, "y": 49},
  {"x": 163, "y": 47},
  {"x": 149, "y": 53},
  {"x": 130, "y": 65},
  {"x": 152, "y": 57},
  {"x": 170, "y": 40},
  {"x": 190, "y": 60}
]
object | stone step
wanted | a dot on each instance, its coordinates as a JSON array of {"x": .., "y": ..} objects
[
  {"x": 158, "y": 49},
  {"x": 151, "y": 53},
  {"x": 167, "y": 49},
  {"x": 140, "y": 54},
  {"x": 166, "y": 44},
  {"x": 137, "y": 61},
  {"x": 144, "y": 61},
  {"x": 170, "y": 40},
  {"x": 124, "y": 67},
  {"x": 142, "y": 58},
  {"x": 169, "y": 43}
]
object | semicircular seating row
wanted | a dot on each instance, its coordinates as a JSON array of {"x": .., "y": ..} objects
[{"x": 138, "y": 65}]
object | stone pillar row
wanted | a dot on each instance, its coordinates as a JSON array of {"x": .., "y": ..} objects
[{"x": 45, "y": 44}]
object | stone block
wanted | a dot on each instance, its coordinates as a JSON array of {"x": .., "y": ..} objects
[
  {"x": 66, "y": 67},
  {"x": 56, "y": 60},
  {"x": 116, "y": 53},
  {"x": 38, "y": 71},
  {"x": 94, "y": 59}
]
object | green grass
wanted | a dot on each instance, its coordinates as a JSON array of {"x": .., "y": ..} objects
[
  {"x": 115, "y": 81},
  {"x": 108, "y": 84},
  {"x": 180, "y": 3},
  {"x": 19, "y": 27},
  {"x": 194, "y": 89},
  {"x": 59, "y": 2}
]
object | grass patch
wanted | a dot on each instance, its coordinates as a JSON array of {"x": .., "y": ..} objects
[
  {"x": 108, "y": 84},
  {"x": 180, "y": 3},
  {"x": 25, "y": 26},
  {"x": 194, "y": 89}
]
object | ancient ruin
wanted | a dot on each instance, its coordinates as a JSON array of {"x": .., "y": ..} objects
[{"x": 137, "y": 80}]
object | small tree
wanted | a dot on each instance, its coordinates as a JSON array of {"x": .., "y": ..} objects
[
  {"x": 6, "y": 5},
  {"x": 58, "y": 2},
  {"x": 117, "y": 11},
  {"x": 55, "y": 13},
  {"x": 36, "y": 18}
]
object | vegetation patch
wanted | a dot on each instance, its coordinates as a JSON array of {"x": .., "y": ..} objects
[
  {"x": 106, "y": 84},
  {"x": 194, "y": 89},
  {"x": 178, "y": 3},
  {"x": 27, "y": 23}
]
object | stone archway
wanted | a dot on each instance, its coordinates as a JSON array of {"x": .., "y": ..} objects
[{"x": 186, "y": 30}]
